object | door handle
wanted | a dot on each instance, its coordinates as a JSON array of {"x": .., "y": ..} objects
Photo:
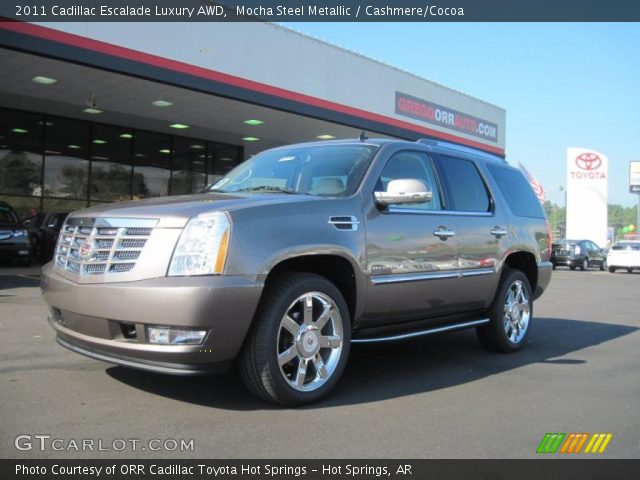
[
  {"x": 498, "y": 232},
  {"x": 443, "y": 233}
]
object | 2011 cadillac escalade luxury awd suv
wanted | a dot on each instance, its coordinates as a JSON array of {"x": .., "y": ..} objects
[{"x": 298, "y": 253}]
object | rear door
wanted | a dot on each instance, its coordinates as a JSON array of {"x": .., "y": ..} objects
[{"x": 482, "y": 234}]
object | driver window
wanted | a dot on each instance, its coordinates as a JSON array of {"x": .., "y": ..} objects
[{"x": 414, "y": 165}]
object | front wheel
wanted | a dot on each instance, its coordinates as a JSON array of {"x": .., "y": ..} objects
[
  {"x": 299, "y": 344},
  {"x": 584, "y": 265},
  {"x": 510, "y": 314},
  {"x": 612, "y": 269},
  {"x": 603, "y": 266},
  {"x": 629, "y": 270}
]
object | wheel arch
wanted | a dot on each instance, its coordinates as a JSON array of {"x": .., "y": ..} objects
[
  {"x": 526, "y": 263},
  {"x": 339, "y": 269}
]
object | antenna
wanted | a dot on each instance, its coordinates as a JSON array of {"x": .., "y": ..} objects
[{"x": 363, "y": 136}]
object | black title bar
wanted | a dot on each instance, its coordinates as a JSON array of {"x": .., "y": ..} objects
[
  {"x": 320, "y": 11},
  {"x": 579, "y": 469}
]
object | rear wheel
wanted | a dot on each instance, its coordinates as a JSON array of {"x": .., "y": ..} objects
[
  {"x": 629, "y": 270},
  {"x": 299, "y": 344},
  {"x": 510, "y": 314},
  {"x": 572, "y": 267},
  {"x": 584, "y": 265}
]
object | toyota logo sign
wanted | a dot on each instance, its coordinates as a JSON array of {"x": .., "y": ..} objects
[{"x": 588, "y": 161}]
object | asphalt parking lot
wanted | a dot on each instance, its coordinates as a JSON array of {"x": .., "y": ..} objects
[{"x": 436, "y": 397}]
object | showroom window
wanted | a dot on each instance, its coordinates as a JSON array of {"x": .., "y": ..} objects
[
  {"x": 50, "y": 163},
  {"x": 111, "y": 169}
]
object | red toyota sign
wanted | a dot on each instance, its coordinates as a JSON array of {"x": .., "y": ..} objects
[{"x": 588, "y": 161}]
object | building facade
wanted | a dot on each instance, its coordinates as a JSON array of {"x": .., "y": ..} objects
[{"x": 102, "y": 112}]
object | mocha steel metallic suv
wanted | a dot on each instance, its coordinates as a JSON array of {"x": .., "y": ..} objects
[{"x": 298, "y": 253}]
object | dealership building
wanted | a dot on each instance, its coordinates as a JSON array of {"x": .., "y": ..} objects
[{"x": 92, "y": 113}]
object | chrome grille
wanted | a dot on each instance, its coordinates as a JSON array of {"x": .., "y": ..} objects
[{"x": 89, "y": 247}]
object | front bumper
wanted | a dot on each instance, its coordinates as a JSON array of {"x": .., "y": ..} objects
[
  {"x": 89, "y": 319},
  {"x": 544, "y": 278}
]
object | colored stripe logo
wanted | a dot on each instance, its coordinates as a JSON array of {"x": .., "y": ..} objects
[{"x": 574, "y": 443}]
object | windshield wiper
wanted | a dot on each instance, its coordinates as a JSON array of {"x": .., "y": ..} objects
[{"x": 268, "y": 188}]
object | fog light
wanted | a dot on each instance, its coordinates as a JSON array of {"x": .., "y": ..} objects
[{"x": 175, "y": 336}]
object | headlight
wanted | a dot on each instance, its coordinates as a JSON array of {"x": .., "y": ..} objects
[
  {"x": 202, "y": 247},
  {"x": 20, "y": 233}
]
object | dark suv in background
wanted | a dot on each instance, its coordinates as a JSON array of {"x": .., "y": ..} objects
[
  {"x": 296, "y": 254},
  {"x": 580, "y": 254},
  {"x": 44, "y": 229},
  {"x": 14, "y": 238}
]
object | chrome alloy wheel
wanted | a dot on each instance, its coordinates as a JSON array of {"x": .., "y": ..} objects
[
  {"x": 310, "y": 341},
  {"x": 517, "y": 312}
]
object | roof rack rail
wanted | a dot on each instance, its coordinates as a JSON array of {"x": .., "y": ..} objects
[{"x": 461, "y": 148}]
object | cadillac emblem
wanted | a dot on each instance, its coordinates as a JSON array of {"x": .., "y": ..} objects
[{"x": 85, "y": 250}]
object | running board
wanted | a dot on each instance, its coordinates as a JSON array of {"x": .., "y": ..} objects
[{"x": 420, "y": 333}]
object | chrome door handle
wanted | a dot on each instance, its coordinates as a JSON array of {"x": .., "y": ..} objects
[
  {"x": 444, "y": 233},
  {"x": 498, "y": 232}
]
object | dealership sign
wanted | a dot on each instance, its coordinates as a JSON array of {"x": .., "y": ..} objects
[
  {"x": 587, "y": 172},
  {"x": 634, "y": 177},
  {"x": 429, "y": 112}
]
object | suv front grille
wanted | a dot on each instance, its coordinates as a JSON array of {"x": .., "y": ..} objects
[{"x": 100, "y": 249}]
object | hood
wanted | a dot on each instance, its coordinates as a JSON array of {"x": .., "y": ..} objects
[{"x": 174, "y": 212}]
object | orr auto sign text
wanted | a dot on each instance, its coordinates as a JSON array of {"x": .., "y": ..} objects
[{"x": 433, "y": 113}]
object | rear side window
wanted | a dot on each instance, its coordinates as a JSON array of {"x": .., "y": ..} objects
[
  {"x": 465, "y": 188},
  {"x": 516, "y": 191}
]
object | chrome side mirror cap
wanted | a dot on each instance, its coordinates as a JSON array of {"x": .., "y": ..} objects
[{"x": 404, "y": 191}]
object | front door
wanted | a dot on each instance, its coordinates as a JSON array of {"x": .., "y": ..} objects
[{"x": 411, "y": 249}]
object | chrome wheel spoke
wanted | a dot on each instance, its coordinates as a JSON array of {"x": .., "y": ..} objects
[
  {"x": 301, "y": 373},
  {"x": 288, "y": 355},
  {"x": 329, "y": 341},
  {"x": 321, "y": 370},
  {"x": 324, "y": 316},
  {"x": 308, "y": 309},
  {"x": 290, "y": 325}
]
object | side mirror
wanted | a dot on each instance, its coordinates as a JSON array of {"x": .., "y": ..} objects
[{"x": 404, "y": 191}]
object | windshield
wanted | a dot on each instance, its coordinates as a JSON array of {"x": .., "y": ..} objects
[
  {"x": 332, "y": 170},
  {"x": 7, "y": 215}
]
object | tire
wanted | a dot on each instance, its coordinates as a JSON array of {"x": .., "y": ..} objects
[
  {"x": 554, "y": 266},
  {"x": 603, "y": 265},
  {"x": 584, "y": 265},
  {"x": 612, "y": 269},
  {"x": 288, "y": 358},
  {"x": 572, "y": 267},
  {"x": 507, "y": 331},
  {"x": 629, "y": 270}
]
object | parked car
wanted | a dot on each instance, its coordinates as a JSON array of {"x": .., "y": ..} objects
[
  {"x": 44, "y": 229},
  {"x": 14, "y": 239},
  {"x": 625, "y": 254},
  {"x": 580, "y": 254},
  {"x": 298, "y": 253}
]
